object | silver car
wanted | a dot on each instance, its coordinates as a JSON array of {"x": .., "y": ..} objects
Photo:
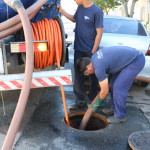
[{"x": 124, "y": 31}]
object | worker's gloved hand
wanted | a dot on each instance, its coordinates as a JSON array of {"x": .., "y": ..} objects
[{"x": 96, "y": 105}]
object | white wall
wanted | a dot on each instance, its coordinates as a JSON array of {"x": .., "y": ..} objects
[{"x": 69, "y": 5}]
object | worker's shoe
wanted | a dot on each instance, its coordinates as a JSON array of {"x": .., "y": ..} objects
[
  {"x": 114, "y": 120},
  {"x": 108, "y": 111},
  {"x": 77, "y": 105}
]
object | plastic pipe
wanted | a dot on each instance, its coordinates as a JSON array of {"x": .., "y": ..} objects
[
  {"x": 20, "y": 108},
  {"x": 16, "y": 19}
]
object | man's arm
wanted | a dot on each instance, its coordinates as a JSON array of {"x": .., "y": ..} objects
[
  {"x": 104, "y": 88},
  {"x": 97, "y": 39},
  {"x": 99, "y": 99},
  {"x": 67, "y": 15}
]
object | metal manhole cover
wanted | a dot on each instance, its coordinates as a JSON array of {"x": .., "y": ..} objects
[{"x": 140, "y": 140}]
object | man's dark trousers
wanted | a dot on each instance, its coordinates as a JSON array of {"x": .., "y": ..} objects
[{"x": 80, "y": 78}]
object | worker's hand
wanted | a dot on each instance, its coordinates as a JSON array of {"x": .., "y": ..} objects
[
  {"x": 59, "y": 8},
  {"x": 93, "y": 51},
  {"x": 96, "y": 105}
]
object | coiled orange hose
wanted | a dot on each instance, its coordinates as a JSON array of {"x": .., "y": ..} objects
[{"x": 49, "y": 30}]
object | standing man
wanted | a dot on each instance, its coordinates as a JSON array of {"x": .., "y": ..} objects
[
  {"x": 123, "y": 63},
  {"x": 88, "y": 34}
]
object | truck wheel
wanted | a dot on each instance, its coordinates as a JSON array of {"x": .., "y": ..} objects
[{"x": 142, "y": 84}]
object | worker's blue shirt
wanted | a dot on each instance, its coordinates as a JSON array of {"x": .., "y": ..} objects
[
  {"x": 87, "y": 21},
  {"x": 112, "y": 59}
]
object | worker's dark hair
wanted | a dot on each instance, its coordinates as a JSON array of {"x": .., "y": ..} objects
[{"x": 82, "y": 64}]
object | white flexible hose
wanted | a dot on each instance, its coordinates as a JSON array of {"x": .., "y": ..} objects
[
  {"x": 15, "y": 4},
  {"x": 14, "y": 28},
  {"x": 16, "y": 19},
  {"x": 20, "y": 108}
]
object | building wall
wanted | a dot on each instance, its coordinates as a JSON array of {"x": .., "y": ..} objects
[{"x": 142, "y": 12}]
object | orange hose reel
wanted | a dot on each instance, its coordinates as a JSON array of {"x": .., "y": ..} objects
[{"x": 49, "y": 30}]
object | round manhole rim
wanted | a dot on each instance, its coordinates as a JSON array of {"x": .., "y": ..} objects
[{"x": 96, "y": 115}]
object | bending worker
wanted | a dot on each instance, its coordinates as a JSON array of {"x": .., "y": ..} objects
[
  {"x": 123, "y": 63},
  {"x": 88, "y": 32}
]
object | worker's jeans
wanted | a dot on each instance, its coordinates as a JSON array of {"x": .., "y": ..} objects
[
  {"x": 79, "y": 79},
  {"x": 120, "y": 84}
]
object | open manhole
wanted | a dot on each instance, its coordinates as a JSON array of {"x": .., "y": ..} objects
[{"x": 96, "y": 121}]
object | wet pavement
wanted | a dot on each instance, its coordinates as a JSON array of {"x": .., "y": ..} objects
[{"x": 46, "y": 129}]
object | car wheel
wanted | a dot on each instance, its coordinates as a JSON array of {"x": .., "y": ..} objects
[{"x": 142, "y": 84}]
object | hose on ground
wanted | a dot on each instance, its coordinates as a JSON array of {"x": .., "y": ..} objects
[{"x": 20, "y": 108}]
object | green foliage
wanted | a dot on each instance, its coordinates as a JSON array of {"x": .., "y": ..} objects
[{"x": 106, "y": 5}]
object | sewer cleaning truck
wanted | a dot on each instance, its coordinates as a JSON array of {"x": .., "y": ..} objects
[{"x": 50, "y": 47}]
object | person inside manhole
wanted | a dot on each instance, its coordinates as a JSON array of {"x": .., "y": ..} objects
[
  {"x": 88, "y": 33},
  {"x": 123, "y": 64}
]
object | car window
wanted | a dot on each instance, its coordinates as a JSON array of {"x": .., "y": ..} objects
[{"x": 121, "y": 26}]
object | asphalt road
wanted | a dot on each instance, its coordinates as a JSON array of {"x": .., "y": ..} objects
[{"x": 43, "y": 127}]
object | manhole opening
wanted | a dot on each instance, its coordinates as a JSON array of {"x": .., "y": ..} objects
[{"x": 96, "y": 121}]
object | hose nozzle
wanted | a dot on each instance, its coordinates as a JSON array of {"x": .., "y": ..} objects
[{"x": 15, "y": 4}]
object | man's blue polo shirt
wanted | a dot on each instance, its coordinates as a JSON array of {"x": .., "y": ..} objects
[
  {"x": 112, "y": 59},
  {"x": 87, "y": 21}
]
